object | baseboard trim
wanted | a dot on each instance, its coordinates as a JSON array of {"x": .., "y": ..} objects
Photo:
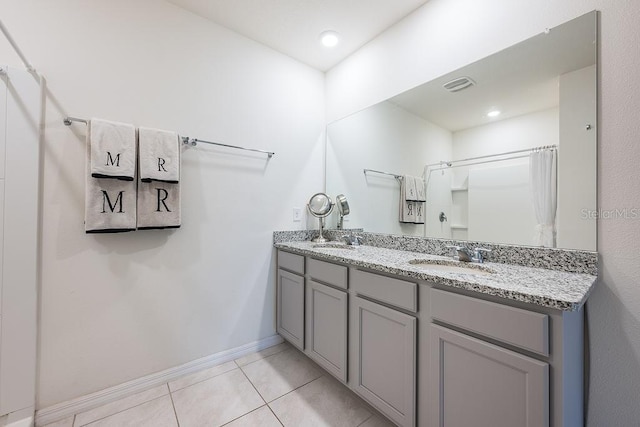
[{"x": 84, "y": 403}]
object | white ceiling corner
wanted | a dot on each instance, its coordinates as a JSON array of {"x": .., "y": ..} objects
[{"x": 292, "y": 27}]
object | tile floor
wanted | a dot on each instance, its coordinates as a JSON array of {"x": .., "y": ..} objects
[{"x": 278, "y": 386}]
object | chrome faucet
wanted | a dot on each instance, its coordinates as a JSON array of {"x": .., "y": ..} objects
[
  {"x": 352, "y": 239},
  {"x": 466, "y": 255},
  {"x": 477, "y": 255}
]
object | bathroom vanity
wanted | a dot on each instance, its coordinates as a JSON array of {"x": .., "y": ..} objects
[{"x": 429, "y": 344}]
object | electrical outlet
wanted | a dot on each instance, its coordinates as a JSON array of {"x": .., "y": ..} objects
[{"x": 297, "y": 214}]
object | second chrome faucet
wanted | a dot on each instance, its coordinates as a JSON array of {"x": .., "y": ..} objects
[
  {"x": 467, "y": 255},
  {"x": 352, "y": 239}
]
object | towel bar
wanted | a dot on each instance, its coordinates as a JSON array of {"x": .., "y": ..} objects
[
  {"x": 396, "y": 176},
  {"x": 194, "y": 141},
  {"x": 185, "y": 139}
]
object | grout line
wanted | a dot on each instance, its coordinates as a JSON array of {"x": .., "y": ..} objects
[
  {"x": 274, "y": 414},
  {"x": 202, "y": 380},
  {"x": 250, "y": 412},
  {"x": 266, "y": 357},
  {"x": 285, "y": 346},
  {"x": 222, "y": 373},
  {"x": 174, "y": 406},
  {"x": 370, "y": 416},
  {"x": 254, "y": 387},
  {"x": 289, "y": 392},
  {"x": 118, "y": 412}
]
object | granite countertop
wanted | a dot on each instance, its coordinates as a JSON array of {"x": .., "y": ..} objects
[{"x": 547, "y": 288}]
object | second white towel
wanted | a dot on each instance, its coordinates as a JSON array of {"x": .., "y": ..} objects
[
  {"x": 421, "y": 191},
  {"x": 158, "y": 205},
  {"x": 407, "y": 213},
  {"x": 159, "y": 155}
]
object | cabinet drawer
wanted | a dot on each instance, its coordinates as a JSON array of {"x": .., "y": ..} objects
[
  {"x": 386, "y": 289},
  {"x": 291, "y": 262},
  {"x": 326, "y": 272},
  {"x": 515, "y": 326}
]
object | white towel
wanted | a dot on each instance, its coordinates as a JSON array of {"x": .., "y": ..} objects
[
  {"x": 113, "y": 149},
  {"x": 421, "y": 191},
  {"x": 158, "y": 205},
  {"x": 418, "y": 208},
  {"x": 410, "y": 188},
  {"x": 159, "y": 155},
  {"x": 406, "y": 213},
  {"x": 110, "y": 204}
]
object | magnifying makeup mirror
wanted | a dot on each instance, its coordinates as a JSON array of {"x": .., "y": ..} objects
[
  {"x": 320, "y": 206},
  {"x": 343, "y": 208}
]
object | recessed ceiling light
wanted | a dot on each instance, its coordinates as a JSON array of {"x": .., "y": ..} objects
[
  {"x": 329, "y": 38},
  {"x": 494, "y": 113}
]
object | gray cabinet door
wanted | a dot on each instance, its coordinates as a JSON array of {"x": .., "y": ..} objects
[
  {"x": 290, "y": 309},
  {"x": 326, "y": 312},
  {"x": 474, "y": 383},
  {"x": 384, "y": 342}
]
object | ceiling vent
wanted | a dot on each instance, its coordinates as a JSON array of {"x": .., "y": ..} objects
[{"x": 456, "y": 85}]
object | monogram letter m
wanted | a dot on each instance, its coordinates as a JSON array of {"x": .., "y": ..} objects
[
  {"x": 107, "y": 201},
  {"x": 114, "y": 162}
]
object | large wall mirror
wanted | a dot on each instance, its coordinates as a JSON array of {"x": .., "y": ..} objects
[{"x": 511, "y": 158}]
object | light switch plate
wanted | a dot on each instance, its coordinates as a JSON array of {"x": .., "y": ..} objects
[{"x": 297, "y": 214}]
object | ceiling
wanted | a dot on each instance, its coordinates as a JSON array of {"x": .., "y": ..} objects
[
  {"x": 518, "y": 80},
  {"x": 293, "y": 26}
]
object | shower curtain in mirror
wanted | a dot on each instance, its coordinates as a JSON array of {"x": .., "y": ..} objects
[{"x": 542, "y": 172}]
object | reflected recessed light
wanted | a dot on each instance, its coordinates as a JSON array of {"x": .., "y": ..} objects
[
  {"x": 494, "y": 113},
  {"x": 329, "y": 38}
]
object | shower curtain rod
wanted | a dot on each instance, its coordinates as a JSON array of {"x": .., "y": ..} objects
[
  {"x": 15, "y": 46},
  {"x": 445, "y": 166},
  {"x": 185, "y": 139},
  {"x": 449, "y": 163}
]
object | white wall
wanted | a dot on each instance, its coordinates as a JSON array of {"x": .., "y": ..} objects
[
  {"x": 117, "y": 307},
  {"x": 440, "y": 198},
  {"x": 516, "y": 133},
  {"x": 383, "y": 137},
  {"x": 499, "y": 204},
  {"x": 576, "y": 181},
  {"x": 447, "y": 34}
]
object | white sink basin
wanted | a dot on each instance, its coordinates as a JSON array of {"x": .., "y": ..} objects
[
  {"x": 332, "y": 245},
  {"x": 450, "y": 266}
]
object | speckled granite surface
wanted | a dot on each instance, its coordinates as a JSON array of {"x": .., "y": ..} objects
[
  {"x": 572, "y": 261},
  {"x": 548, "y": 288},
  {"x": 298, "y": 235}
]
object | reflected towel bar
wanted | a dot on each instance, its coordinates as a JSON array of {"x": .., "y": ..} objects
[
  {"x": 67, "y": 120},
  {"x": 396, "y": 176},
  {"x": 185, "y": 139}
]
